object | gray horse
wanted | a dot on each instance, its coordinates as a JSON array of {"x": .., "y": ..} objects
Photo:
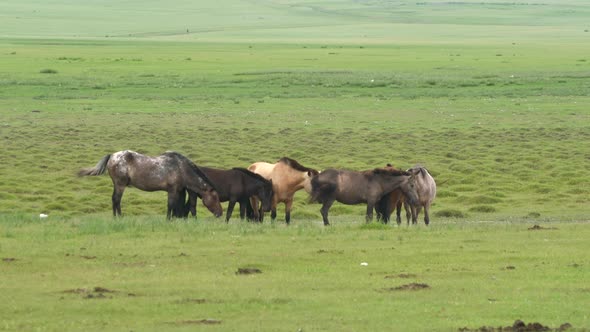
[
  {"x": 350, "y": 187},
  {"x": 426, "y": 188}
]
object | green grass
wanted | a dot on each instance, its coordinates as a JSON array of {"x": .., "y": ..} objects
[
  {"x": 165, "y": 274},
  {"x": 490, "y": 96}
]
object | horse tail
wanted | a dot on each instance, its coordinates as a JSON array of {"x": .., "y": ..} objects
[
  {"x": 319, "y": 190},
  {"x": 99, "y": 169},
  {"x": 315, "y": 189}
]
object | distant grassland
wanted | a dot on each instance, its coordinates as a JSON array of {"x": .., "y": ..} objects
[{"x": 491, "y": 97}]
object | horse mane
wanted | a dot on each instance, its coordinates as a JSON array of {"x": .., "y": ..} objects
[
  {"x": 193, "y": 166},
  {"x": 252, "y": 174},
  {"x": 423, "y": 171},
  {"x": 386, "y": 171},
  {"x": 296, "y": 165}
]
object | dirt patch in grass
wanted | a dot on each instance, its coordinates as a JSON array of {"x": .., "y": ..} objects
[
  {"x": 401, "y": 275},
  {"x": 248, "y": 270},
  {"x": 197, "y": 322},
  {"x": 8, "y": 259},
  {"x": 518, "y": 326},
  {"x": 94, "y": 293},
  {"x": 540, "y": 228},
  {"x": 324, "y": 251},
  {"x": 408, "y": 287},
  {"x": 189, "y": 301}
]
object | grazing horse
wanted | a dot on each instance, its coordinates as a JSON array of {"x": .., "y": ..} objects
[
  {"x": 288, "y": 176},
  {"x": 426, "y": 188},
  {"x": 235, "y": 185},
  {"x": 171, "y": 172},
  {"x": 350, "y": 187}
]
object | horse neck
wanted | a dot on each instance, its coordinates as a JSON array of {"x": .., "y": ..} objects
[
  {"x": 196, "y": 183},
  {"x": 392, "y": 182}
]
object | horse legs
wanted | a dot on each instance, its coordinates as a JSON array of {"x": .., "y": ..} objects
[
  {"x": 369, "y": 215},
  {"x": 398, "y": 212},
  {"x": 180, "y": 209},
  {"x": 257, "y": 213},
  {"x": 117, "y": 195},
  {"x": 230, "y": 209},
  {"x": 415, "y": 213},
  {"x": 324, "y": 210},
  {"x": 191, "y": 204},
  {"x": 288, "y": 205},
  {"x": 408, "y": 209},
  {"x": 426, "y": 215},
  {"x": 173, "y": 203},
  {"x": 243, "y": 205}
]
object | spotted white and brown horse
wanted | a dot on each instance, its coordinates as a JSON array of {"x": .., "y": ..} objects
[{"x": 170, "y": 172}]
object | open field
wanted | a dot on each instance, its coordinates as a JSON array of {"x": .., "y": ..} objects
[
  {"x": 144, "y": 274},
  {"x": 492, "y": 97}
]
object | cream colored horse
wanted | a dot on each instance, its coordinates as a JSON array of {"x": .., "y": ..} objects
[{"x": 288, "y": 176}]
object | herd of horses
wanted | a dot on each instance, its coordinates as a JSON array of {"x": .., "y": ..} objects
[{"x": 262, "y": 186}]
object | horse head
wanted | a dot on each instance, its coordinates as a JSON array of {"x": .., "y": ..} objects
[
  {"x": 210, "y": 199},
  {"x": 410, "y": 189}
]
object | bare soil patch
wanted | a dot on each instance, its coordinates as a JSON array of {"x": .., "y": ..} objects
[
  {"x": 248, "y": 270},
  {"x": 401, "y": 276},
  {"x": 324, "y": 251},
  {"x": 188, "y": 301},
  {"x": 206, "y": 321},
  {"x": 8, "y": 259},
  {"x": 518, "y": 326},
  {"x": 408, "y": 287},
  {"x": 540, "y": 228},
  {"x": 93, "y": 293}
]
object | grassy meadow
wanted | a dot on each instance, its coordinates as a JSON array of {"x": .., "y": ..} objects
[{"x": 492, "y": 97}]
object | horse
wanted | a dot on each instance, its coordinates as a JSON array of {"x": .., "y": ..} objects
[
  {"x": 350, "y": 187},
  {"x": 235, "y": 185},
  {"x": 388, "y": 202},
  {"x": 171, "y": 172},
  {"x": 288, "y": 176},
  {"x": 426, "y": 188}
]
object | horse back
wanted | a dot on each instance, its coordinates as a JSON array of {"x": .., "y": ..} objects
[{"x": 262, "y": 168}]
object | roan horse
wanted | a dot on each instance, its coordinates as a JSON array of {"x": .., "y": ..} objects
[
  {"x": 426, "y": 189},
  {"x": 350, "y": 187},
  {"x": 288, "y": 176},
  {"x": 171, "y": 172},
  {"x": 235, "y": 185}
]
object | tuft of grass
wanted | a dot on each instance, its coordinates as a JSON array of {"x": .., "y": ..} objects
[
  {"x": 450, "y": 213},
  {"x": 48, "y": 71},
  {"x": 483, "y": 208}
]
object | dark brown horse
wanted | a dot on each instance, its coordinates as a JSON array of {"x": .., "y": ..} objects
[
  {"x": 171, "y": 172},
  {"x": 288, "y": 176},
  {"x": 350, "y": 187},
  {"x": 235, "y": 185}
]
